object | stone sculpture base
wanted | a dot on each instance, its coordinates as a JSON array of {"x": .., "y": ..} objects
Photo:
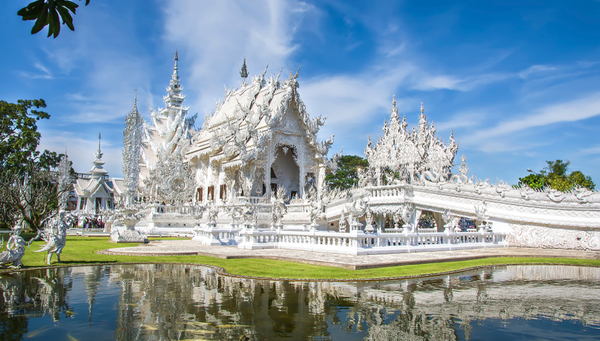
[{"x": 127, "y": 236}]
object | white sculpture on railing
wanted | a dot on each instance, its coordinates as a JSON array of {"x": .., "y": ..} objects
[
  {"x": 481, "y": 212},
  {"x": 356, "y": 208},
  {"x": 15, "y": 249},
  {"x": 449, "y": 221},
  {"x": 54, "y": 234},
  {"x": 213, "y": 212},
  {"x": 279, "y": 207},
  {"x": 343, "y": 225},
  {"x": 408, "y": 212}
]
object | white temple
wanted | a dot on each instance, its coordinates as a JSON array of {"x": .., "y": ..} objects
[
  {"x": 94, "y": 190},
  {"x": 259, "y": 140},
  {"x": 254, "y": 176}
]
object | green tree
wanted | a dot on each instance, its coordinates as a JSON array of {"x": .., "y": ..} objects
[
  {"x": 582, "y": 180},
  {"x": 28, "y": 186},
  {"x": 19, "y": 137},
  {"x": 555, "y": 175},
  {"x": 346, "y": 175},
  {"x": 47, "y": 13},
  {"x": 535, "y": 181}
]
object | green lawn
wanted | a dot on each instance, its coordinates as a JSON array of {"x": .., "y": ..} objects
[{"x": 82, "y": 250}]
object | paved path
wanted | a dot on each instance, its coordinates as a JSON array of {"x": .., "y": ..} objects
[{"x": 188, "y": 247}]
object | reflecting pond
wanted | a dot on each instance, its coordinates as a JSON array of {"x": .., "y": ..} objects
[{"x": 185, "y": 302}]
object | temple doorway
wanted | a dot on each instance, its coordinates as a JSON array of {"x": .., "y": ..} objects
[{"x": 285, "y": 171}]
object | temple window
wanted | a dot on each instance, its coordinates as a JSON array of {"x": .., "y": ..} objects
[
  {"x": 211, "y": 193},
  {"x": 199, "y": 194},
  {"x": 274, "y": 188},
  {"x": 222, "y": 191},
  {"x": 98, "y": 204}
]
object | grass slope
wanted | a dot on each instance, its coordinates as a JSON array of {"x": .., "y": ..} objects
[{"x": 82, "y": 250}]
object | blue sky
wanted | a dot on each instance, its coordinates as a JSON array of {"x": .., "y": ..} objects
[{"x": 519, "y": 83}]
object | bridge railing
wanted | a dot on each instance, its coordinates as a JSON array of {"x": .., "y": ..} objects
[
  {"x": 385, "y": 191},
  {"x": 209, "y": 235},
  {"x": 358, "y": 242},
  {"x": 168, "y": 209}
]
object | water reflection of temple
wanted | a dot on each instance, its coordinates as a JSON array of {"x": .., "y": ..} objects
[{"x": 161, "y": 302}]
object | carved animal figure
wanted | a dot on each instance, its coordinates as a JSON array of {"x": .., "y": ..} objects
[
  {"x": 15, "y": 250},
  {"x": 54, "y": 234}
]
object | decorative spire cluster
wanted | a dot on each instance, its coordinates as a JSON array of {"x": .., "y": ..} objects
[
  {"x": 64, "y": 181},
  {"x": 132, "y": 156},
  {"x": 406, "y": 155}
]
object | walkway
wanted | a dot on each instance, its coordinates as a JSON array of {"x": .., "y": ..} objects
[{"x": 188, "y": 247}]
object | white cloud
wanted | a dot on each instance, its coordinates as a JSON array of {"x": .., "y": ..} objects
[
  {"x": 467, "y": 119},
  {"x": 569, "y": 111},
  {"x": 500, "y": 138},
  {"x": 217, "y": 35},
  {"x": 535, "y": 69},
  {"x": 590, "y": 151},
  {"x": 425, "y": 82}
]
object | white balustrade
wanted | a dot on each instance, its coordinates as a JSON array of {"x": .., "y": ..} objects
[
  {"x": 358, "y": 242},
  {"x": 210, "y": 235}
]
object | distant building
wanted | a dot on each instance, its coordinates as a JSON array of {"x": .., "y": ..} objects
[{"x": 95, "y": 190}]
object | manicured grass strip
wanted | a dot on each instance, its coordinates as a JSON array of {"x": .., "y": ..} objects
[{"x": 82, "y": 250}]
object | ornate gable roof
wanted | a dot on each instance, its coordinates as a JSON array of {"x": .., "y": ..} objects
[{"x": 245, "y": 120}]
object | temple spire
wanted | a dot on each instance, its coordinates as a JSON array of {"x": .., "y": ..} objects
[
  {"x": 98, "y": 171},
  {"x": 98, "y": 151},
  {"x": 175, "y": 77},
  {"x": 135, "y": 109},
  {"x": 174, "y": 98},
  {"x": 244, "y": 71},
  {"x": 394, "y": 109}
]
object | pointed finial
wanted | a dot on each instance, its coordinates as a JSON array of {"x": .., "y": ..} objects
[
  {"x": 394, "y": 115},
  {"x": 98, "y": 152},
  {"x": 175, "y": 78},
  {"x": 135, "y": 109},
  {"x": 244, "y": 71},
  {"x": 422, "y": 109}
]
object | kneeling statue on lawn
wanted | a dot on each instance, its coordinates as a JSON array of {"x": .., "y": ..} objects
[
  {"x": 54, "y": 234},
  {"x": 15, "y": 249}
]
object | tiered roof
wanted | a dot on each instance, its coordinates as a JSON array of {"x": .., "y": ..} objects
[{"x": 244, "y": 121}]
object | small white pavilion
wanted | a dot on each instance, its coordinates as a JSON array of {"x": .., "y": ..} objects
[{"x": 95, "y": 191}]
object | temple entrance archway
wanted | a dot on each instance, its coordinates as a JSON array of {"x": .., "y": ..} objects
[{"x": 285, "y": 171}]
